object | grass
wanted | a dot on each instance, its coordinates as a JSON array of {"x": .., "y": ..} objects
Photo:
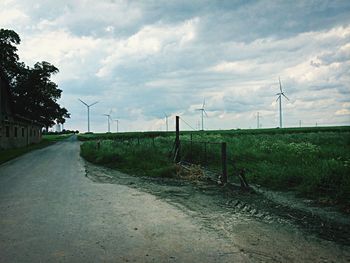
[
  {"x": 313, "y": 162},
  {"x": 140, "y": 159},
  {"x": 9, "y": 154}
]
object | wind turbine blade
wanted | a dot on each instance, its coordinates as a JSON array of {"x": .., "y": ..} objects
[
  {"x": 203, "y": 103},
  {"x": 93, "y": 104},
  {"x": 205, "y": 113},
  {"x": 83, "y": 102},
  {"x": 278, "y": 97},
  {"x": 279, "y": 79},
  {"x": 285, "y": 96}
]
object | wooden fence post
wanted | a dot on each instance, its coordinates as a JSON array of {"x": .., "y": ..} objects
[
  {"x": 191, "y": 159},
  {"x": 177, "y": 140},
  {"x": 224, "y": 162}
]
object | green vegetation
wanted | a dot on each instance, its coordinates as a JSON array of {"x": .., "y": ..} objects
[
  {"x": 314, "y": 162},
  {"x": 33, "y": 92},
  {"x": 6, "y": 155},
  {"x": 130, "y": 157}
]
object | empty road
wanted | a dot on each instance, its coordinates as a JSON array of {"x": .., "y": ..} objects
[{"x": 51, "y": 212}]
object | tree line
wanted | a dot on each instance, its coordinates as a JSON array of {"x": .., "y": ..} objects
[{"x": 33, "y": 92}]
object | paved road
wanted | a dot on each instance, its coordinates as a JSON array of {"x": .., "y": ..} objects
[{"x": 51, "y": 212}]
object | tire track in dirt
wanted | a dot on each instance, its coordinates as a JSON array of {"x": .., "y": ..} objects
[{"x": 266, "y": 231}]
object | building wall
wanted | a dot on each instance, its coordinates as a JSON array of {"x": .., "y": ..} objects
[
  {"x": 14, "y": 131},
  {"x": 17, "y": 134}
]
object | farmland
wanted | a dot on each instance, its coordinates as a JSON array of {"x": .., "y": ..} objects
[{"x": 312, "y": 162}]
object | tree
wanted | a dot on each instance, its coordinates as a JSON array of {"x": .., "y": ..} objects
[
  {"x": 35, "y": 94},
  {"x": 9, "y": 60}
]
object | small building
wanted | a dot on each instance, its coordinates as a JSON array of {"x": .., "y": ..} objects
[{"x": 15, "y": 130}]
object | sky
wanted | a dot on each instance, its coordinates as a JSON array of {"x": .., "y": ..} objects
[{"x": 143, "y": 59}]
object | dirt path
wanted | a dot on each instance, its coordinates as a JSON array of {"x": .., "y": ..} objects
[
  {"x": 51, "y": 212},
  {"x": 248, "y": 222}
]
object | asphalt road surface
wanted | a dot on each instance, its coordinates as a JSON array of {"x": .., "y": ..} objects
[{"x": 51, "y": 212}]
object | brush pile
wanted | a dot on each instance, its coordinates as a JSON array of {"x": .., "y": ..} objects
[{"x": 190, "y": 172}]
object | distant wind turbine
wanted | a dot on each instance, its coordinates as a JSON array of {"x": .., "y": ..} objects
[
  {"x": 166, "y": 121},
  {"x": 108, "y": 120},
  {"x": 117, "y": 121},
  {"x": 279, "y": 97},
  {"x": 88, "y": 111},
  {"x": 258, "y": 117},
  {"x": 203, "y": 111}
]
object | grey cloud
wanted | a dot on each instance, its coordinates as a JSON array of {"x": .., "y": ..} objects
[{"x": 272, "y": 38}]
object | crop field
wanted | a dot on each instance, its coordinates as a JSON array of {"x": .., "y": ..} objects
[{"x": 313, "y": 162}]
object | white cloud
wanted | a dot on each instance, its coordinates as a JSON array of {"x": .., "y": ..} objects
[
  {"x": 150, "y": 40},
  {"x": 71, "y": 54},
  {"x": 342, "y": 112},
  {"x": 11, "y": 14}
]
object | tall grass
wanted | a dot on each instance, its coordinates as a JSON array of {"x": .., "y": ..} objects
[
  {"x": 140, "y": 159},
  {"x": 314, "y": 164}
]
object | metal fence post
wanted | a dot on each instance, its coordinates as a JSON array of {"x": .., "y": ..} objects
[{"x": 224, "y": 163}]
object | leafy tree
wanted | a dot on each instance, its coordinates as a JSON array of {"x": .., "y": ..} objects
[
  {"x": 9, "y": 60},
  {"x": 35, "y": 94}
]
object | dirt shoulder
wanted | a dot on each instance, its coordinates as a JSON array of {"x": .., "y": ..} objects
[{"x": 265, "y": 230}]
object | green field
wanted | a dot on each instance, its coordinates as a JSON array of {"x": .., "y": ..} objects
[
  {"x": 6, "y": 155},
  {"x": 313, "y": 162}
]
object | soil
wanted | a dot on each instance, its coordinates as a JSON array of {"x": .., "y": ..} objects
[{"x": 268, "y": 226}]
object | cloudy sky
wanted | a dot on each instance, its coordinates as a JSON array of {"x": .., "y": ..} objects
[{"x": 141, "y": 59}]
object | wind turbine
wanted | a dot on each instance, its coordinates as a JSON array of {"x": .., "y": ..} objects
[
  {"x": 258, "y": 117},
  {"x": 88, "y": 111},
  {"x": 166, "y": 121},
  {"x": 203, "y": 111},
  {"x": 117, "y": 121},
  {"x": 279, "y": 97},
  {"x": 108, "y": 119}
]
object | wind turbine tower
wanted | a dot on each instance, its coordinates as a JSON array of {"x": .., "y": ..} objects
[
  {"x": 166, "y": 121},
  {"x": 88, "y": 111},
  {"x": 258, "y": 116},
  {"x": 279, "y": 97},
  {"x": 108, "y": 120},
  {"x": 203, "y": 112},
  {"x": 117, "y": 121}
]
